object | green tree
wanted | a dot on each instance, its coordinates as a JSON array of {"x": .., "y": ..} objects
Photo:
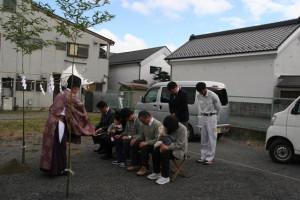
[
  {"x": 22, "y": 26},
  {"x": 162, "y": 76},
  {"x": 79, "y": 15}
]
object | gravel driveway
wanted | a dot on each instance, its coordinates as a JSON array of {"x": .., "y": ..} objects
[{"x": 238, "y": 172}]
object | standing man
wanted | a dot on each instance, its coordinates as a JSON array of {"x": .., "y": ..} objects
[
  {"x": 178, "y": 104},
  {"x": 210, "y": 105},
  {"x": 144, "y": 143},
  {"x": 54, "y": 156},
  {"x": 108, "y": 116}
]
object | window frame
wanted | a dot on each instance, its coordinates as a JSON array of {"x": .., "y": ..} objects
[
  {"x": 12, "y": 5},
  {"x": 70, "y": 47},
  {"x": 155, "y": 70},
  {"x": 37, "y": 85},
  {"x": 29, "y": 88}
]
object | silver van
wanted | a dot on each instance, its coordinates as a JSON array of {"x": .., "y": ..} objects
[{"x": 157, "y": 97}]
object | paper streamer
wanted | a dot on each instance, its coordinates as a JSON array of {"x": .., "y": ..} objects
[
  {"x": 24, "y": 81},
  {"x": 51, "y": 84},
  {"x": 42, "y": 89}
]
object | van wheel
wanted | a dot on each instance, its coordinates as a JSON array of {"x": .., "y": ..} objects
[
  {"x": 219, "y": 136},
  {"x": 190, "y": 133},
  {"x": 281, "y": 151}
]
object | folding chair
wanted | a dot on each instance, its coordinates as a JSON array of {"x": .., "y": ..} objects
[{"x": 179, "y": 170}]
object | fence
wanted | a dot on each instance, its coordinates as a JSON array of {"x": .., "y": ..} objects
[
  {"x": 245, "y": 112},
  {"x": 255, "y": 112}
]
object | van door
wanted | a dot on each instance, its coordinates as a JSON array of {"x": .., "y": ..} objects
[
  {"x": 293, "y": 126},
  {"x": 163, "y": 104},
  {"x": 149, "y": 102}
]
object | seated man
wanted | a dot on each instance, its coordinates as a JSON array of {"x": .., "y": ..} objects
[
  {"x": 143, "y": 145},
  {"x": 177, "y": 149},
  {"x": 107, "y": 119},
  {"x": 122, "y": 141}
]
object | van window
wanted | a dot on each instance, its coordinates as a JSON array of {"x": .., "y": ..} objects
[
  {"x": 296, "y": 109},
  {"x": 191, "y": 92},
  {"x": 151, "y": 95},
  {"x": 222, "y": 93},
  {"x": 165, "y": 95}
]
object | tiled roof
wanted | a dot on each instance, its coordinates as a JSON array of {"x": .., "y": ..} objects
[
  {"x": 132, "y": 56},
  {"x": 267, "y": 37}
]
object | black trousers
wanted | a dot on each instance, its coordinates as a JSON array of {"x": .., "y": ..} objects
[
  {"x": 122, "y": 148},
  {"x": 140, "y": 156},
  {"x": 162, "y": 159}
]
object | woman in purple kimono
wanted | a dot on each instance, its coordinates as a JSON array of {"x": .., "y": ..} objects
[{"x": 54, "y": 156}]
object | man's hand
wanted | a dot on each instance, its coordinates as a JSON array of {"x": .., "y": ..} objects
[
  {"x": 99, "y": 129},
  {"x": 117, "y": 136},
  {"x": 132, "y": 142},
  {"x": 125, "y": 137},
  {"x": 142, "y": 144},
  {"x": 164, "y": 147}
]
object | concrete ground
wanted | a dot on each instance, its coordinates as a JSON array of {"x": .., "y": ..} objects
[{"x": 239, "y": 171}]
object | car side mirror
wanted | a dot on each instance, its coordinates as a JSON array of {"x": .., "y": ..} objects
[{"x": 142, "y": 99}]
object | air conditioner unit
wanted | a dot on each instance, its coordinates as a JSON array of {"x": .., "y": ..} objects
[{"x": 8, "y": 103}]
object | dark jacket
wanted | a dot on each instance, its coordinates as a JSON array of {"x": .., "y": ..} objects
[
  {"x": 179, "y": 106},
  {"x": 106, "y": 120}
]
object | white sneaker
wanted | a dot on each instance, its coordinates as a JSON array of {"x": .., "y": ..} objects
[
  {"x": 154, "y": 176},
  {"x": 163, "y": 180}
]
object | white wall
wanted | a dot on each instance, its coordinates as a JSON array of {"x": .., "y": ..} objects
[
  {"x": 49, "y": 60},
  {"x": 243, "y": 76},
  {"x": 123, "y": 74},
  {"x": 158, "y": 60}
]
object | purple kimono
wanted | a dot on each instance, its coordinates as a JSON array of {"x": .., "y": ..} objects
[{"x": 54, "y": 158}]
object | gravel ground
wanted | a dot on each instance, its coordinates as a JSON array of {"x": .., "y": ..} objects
[{"x": 238, "y": 172}]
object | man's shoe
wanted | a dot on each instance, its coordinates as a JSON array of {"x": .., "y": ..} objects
[
  {"x": 123, "y": 165},
  {"x": 132, "y": 168},
  {"x": 143, "y": 171},
  {"x": 116, "y": 162},
  {"x": 162, "y": 180},
  {"x": 154, "y": 176},
  {"x": 106, "y": 157}
]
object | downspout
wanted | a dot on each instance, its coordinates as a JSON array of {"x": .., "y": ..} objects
[{"x": 140, "y": 66}]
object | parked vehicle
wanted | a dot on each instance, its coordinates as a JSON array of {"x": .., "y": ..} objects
[
  {"x": 157, "y": 97},
  {"x": 283, "y": 135}
]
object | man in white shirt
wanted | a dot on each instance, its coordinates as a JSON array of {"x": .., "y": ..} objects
[{"x": 210, "y": 105}]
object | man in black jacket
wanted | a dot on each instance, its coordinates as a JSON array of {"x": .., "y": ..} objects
[
  {"x": 108, "y": 116},
  {"x": 178, "y": 103}
]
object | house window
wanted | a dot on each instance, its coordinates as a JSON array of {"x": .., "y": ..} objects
[
  {"x": 78, "y": 50},
  {"x": 9, "y": 4},
  {"x": 154, "y": 70},
  {"x": 38, "y": 86},
  {"x": 29, "y": 85},
  {"x": 62, "y": 46},
  {"x": 103, "y": 51},
  {"x": 8, "y": 83},
  {"x": 99, "y": 87}
]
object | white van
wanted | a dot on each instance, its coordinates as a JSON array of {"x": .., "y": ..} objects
[
  {"x": 157, "y": 97},
  {"x": 283, "y": 135}
]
